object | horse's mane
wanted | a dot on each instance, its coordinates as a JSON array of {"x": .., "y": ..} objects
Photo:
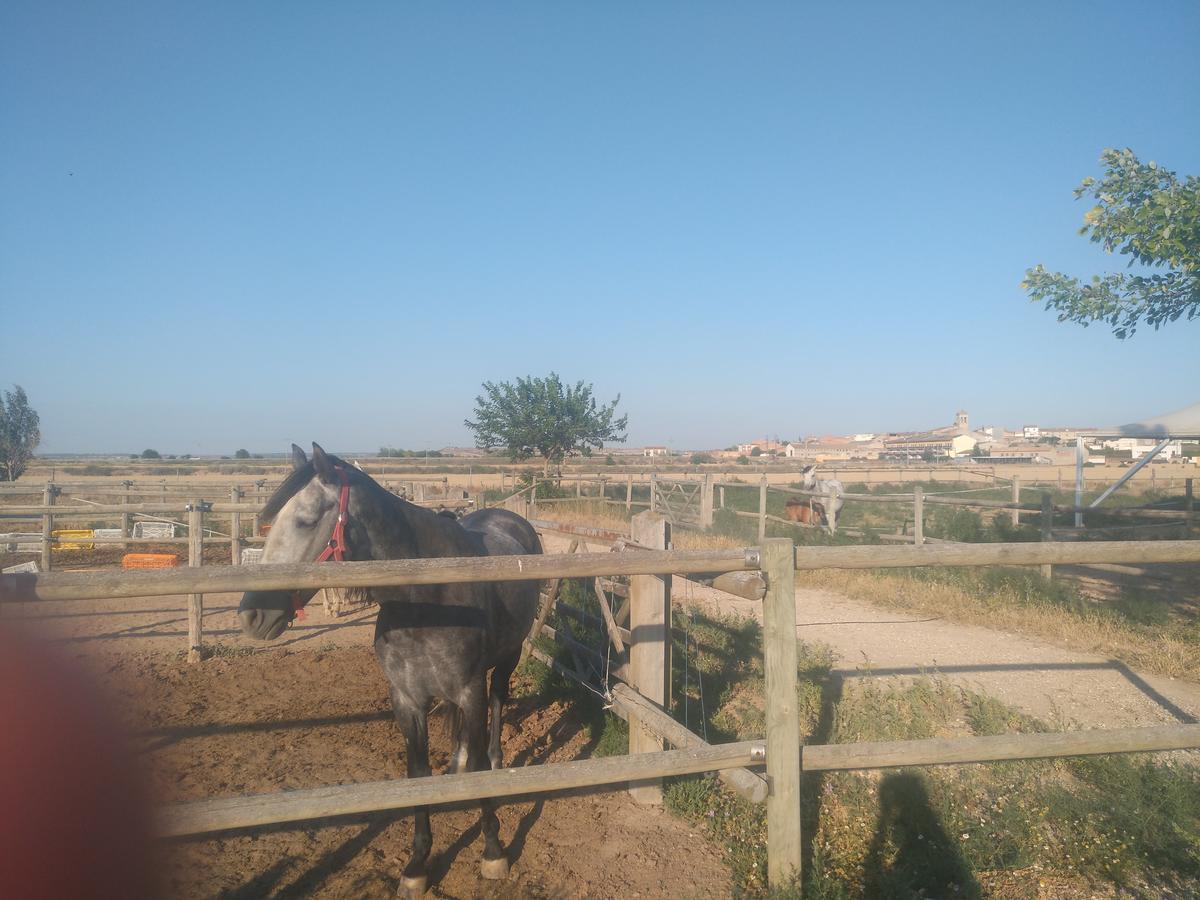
[{"x": 298, "y": 478}]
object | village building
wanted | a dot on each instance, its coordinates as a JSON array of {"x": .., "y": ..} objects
[{"x": 948, "y": 442}]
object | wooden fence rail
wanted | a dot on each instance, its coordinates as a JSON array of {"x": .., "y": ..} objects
[
  {"x": 785, "y": 759},
  {"x": 105, "y": 584}
]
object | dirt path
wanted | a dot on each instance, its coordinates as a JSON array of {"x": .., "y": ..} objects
[{"x": 1058, "y": 685}]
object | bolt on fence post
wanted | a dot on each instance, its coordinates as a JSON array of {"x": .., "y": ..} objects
[
  {"x": 783, "y": 713},
  {"x": 196, "y": 513}
]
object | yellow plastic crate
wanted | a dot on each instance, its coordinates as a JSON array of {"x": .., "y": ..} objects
[{"x": 73, "y": 539}]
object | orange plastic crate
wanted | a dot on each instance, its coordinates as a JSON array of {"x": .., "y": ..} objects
[{"x": 149, "y": 561}]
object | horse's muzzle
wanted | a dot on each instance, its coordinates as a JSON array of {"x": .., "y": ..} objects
[{"x": 265, "y": 614}]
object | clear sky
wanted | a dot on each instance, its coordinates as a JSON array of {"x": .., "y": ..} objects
[{"x": 232, "y": 225}]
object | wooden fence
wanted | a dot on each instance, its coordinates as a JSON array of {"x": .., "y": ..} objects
[
  {"x": 170, "y": 510},
  {"x": 694, "y": 503},
  {"x": 782, "y": 753}
]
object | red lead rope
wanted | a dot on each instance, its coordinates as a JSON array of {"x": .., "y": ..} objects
[{"x": 336, "y": 548}]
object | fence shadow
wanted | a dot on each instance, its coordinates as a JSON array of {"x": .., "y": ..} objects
[
  {"x": 1112, "y": 665},
  {"x": 812, "y": 786}
]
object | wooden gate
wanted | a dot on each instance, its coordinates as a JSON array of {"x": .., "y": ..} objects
[{"x": 679, "y": 501}]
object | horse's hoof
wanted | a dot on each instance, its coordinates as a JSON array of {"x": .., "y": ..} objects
[
  {"x": 415, "y": 887},
  {"x": 494, "y": 869}
]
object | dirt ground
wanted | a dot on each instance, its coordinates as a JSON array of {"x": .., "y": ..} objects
[{"x": 312, "y": 710}]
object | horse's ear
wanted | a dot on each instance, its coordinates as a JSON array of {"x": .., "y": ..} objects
[
  {"x": 323, "y": 464},
  {"x": 298, "y": 457}
]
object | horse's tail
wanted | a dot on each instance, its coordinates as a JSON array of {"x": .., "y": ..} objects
[{"x": 455, "y": 724}]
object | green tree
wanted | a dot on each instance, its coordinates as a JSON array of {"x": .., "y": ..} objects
[
  {"x": 545, "y": 417},
  {"x": 241, "y": 454},
  {"x": 19, "y": 433},
  {"x": 1146, "y": 213},
  {"x": 154, "y": 454}
]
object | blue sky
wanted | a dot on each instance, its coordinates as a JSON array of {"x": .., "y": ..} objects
[{"x": 768, "y": 219}]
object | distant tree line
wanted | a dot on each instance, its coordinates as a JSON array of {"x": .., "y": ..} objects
[{"x": 397, "y": 453}]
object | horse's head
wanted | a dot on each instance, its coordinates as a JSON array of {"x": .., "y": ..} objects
[
  {"x": 808, "y": 477},
  {"x": 304, "y": 515}
]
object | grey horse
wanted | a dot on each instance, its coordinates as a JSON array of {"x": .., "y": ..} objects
[{"x": 435, "y": 642}]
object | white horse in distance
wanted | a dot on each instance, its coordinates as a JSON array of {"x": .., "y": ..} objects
[{"x": 830, "y": 492}]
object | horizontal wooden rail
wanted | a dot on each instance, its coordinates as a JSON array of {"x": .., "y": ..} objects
[
  {"x": 255, "y": 810},
  {"x": 993, "y": 748},
  {"x": 112, "y": 509},
  {"x": 1018, "y": 554},
  {"x": 628, "y": 702},
  {"x": 266, "y": 577}
]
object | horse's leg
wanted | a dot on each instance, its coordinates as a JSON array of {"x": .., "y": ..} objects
[
  {"x": 498, "y": 697},
  {"x": 474, "y": 709},
  {"x": 414, "y": 724}
]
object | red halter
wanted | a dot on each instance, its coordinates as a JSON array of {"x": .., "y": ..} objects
[{"x": 336, "y": 548}]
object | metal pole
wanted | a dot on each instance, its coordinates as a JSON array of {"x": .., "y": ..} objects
[
  {"x": 1079, "y": 481},
  {"x": 918, "y": 516},
  {"x": 762, "y": 507}
]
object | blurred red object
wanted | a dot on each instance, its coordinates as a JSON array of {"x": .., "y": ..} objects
[{"x": 74, "y": 812}]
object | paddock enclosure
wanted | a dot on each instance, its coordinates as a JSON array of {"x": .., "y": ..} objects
[{"x": 767, "y": 769}]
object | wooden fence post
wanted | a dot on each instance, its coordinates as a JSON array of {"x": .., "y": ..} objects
[
  {"x": 235, "y": 528},
  {"x": 706, "y": 502},
  {"x": 1016, "y": 498},
  {"x": 628, "y": 492},
  {"x": 918, "y": 516},
  {"x": 649, "y": 643},
  {"x": 783, "y": 713},
  {"x": 721, "y": 496},
  {"x": 125, "y": 532},
  {"x": 1189, "y": 503},
  {"x": 1047, "y": 528},
  {"x": 762, "y": 507},
  {"x": 258, "y": 502},
  {"x": 52, "y": 490},
  {"x": 196, "y": 513},
  {"x": 653, "y": 492}
]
